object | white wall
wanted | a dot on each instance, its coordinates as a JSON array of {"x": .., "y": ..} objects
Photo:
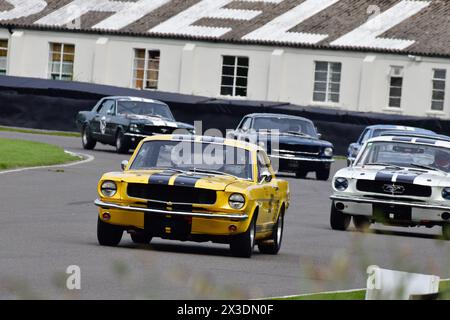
[{"x": 276, "y": 74}]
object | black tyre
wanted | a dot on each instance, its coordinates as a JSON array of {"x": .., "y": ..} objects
[
  {"x": 338, "y": 220},
  {"x": 446, "y": 231},
  {"x": 301, "y": 174},
  {"x": 108, "y": 234},
  {"x": 122, "y": 145},
  {"x": 273, "y": 245},
  {"x": 141, "y": 238},
  {"x": 323, "y": 174},
  {"x": 242, "y": 245},
  {"x": 361, "y": 223},
  {"x": 86, "y": 138}
]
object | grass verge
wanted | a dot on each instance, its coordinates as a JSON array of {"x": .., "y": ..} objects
[
  {"x": 349, "y": 295},
  {"x": 20, "y": 153},
  {"x": 44, "y": 132}
]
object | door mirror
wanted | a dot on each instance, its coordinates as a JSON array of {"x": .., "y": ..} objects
[
  {"x": 319, "y": 135},
  {"x": 124, "y": 164},
  {"x": 266, "y": 177}
]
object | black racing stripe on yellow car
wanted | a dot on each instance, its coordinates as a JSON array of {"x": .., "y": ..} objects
[
  {"x": 187, "y": 181},
  {"x": 384, "y": 176},
  {"x": 161, "y": 178}
]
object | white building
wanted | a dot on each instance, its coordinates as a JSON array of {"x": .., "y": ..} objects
[{"x": 388, "y": 56}]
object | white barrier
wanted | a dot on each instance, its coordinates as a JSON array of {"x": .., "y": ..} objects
[{"x": 383, "y": 284}]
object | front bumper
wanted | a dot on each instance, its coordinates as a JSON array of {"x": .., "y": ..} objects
[
  {"x": 296, "y": 164},
  {"x": 420, "y": 212},
  {"x": 207, "y": 215}
]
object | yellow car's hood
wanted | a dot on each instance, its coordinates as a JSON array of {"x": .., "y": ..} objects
[{"x": 197, "y": 180}]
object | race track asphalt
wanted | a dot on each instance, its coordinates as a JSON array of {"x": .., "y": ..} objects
[{"x": 48, "y": 222}]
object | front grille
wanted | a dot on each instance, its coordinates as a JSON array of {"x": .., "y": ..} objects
[
  {"x": 158, "y": 130},
  {"x": 175, "y": 194},
  {"x": 300, "y": 149},
  {"x": 406, "y": 189}
]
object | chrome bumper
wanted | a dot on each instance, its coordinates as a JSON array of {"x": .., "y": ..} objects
[
  {"x": 207, "y": 215},
  {"x": 386, "y": 202},
  {"x": 303, "y": 159},
  {"x": 419, "y": 211}
]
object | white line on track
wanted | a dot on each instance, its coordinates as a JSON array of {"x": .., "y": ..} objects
[
  {"x": 86, "y": 158},
  {"x": 326, "y": 292}
]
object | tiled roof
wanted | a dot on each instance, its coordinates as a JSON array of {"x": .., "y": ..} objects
[{"x": 397, "y": 26}]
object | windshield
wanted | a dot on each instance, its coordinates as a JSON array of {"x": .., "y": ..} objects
[
  {"x": 194, "y": 156},
  {"x": 144, "y": 109},
  {"x": 286, "y": 125},
  {"x": 403, "y": 154}
]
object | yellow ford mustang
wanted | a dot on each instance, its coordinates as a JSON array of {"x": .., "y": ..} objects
[{"x": 194, "y": 188}]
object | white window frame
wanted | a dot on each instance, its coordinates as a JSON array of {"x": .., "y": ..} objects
[
  {"x": 391, "y": 76},
  {"x": 61, "y": 61},
  {"x": 328, "y": 83},
  {"x": 145, "y": 79},
  {"x": 5, "y": 71},
  {"x": 235, "y": 76},
  {"x": 433, "y": 90}
]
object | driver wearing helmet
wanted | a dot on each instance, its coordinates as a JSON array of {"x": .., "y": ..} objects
[{"x": 442, "y": 160}]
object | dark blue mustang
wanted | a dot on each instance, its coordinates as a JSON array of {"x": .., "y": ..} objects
[{"x": 292, "y": 143}]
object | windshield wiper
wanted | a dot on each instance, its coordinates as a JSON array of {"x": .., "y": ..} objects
[
  {"x": 213, "y": 172},
  {"x": 387, "y": 165},
  {"x": 164, "y": 168},
  {"x": 423, "y": 166},
  {"x": 299, "y": 134}
]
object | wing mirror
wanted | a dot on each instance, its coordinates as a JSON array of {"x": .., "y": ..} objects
[
  {"x": 124, "y": 164},
  {"x": 319, "y": 135},
  {"x": 266, "y": 177}
]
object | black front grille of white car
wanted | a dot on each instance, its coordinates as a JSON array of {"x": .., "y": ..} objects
[
  {"x": 174, "y": 194},
  {"x": 400, "y": 189}
]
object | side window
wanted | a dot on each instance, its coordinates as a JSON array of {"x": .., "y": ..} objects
[
  {"x": 263, "y": 164},
  {"x": 107, "y": 107},
  {"x": 364, "y": 136},
  {"x": 246, "y": 124}
]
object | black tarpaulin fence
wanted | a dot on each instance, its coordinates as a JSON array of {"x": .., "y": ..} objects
[{"x": 53, "y": 105}]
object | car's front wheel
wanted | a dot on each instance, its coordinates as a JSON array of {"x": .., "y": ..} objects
[
  {"x": 108, "y": 234},
  {"x": 323, "y": 174},
  {"x": 446, "y": 231},
  {"x": 361, "y": 223},
  {"x": 122, "y": 145},
  {"x": 86, "y": 138},
  {"x": 301, "y": 174},
  {"x": 141, "y": 238},
  {"x": 242, "y": 245},
  {"x": 273, "y": 245},
  {"x": 338, "y": 220}
]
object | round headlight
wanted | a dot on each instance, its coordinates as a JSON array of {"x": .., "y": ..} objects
[
  {"x": 134, "y": 128},
  {"x": 446, "y": 193},
  {"x": 328, "y": 152},
  {"x": 236, "y": 201},
  {"x": 109, "y": 188},
  {"x": 341, "y": 184}
]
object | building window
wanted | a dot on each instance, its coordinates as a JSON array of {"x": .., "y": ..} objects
[
  {"x": 146, "y": 69},
  {"x": 62, "y": 57},
  {"x": 438, "y": 98},
  {"x": 3, "y": 55},
  {"x": 327, "y": 82},
  {"x": 396, "y": 87},
  {"x": 234, "y": 76}
]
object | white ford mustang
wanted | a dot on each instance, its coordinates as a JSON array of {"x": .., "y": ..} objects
[{"x": 395, "y": 180}]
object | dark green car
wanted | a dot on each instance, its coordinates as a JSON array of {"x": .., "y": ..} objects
[{"x": 124, "y": 121}]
